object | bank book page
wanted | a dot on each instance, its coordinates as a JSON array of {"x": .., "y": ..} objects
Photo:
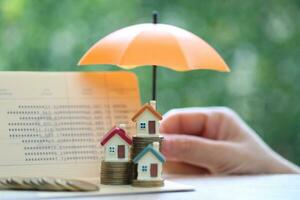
[{"x": 51, "y": 122}]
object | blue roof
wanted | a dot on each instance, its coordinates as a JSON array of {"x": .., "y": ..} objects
[{"x": 150, "y": 148}]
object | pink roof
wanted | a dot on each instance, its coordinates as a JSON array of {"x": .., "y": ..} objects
[{"x": 116, "y": 130}]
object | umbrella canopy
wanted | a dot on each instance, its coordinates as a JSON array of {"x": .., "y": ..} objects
[{"x": 154, "y": 44}]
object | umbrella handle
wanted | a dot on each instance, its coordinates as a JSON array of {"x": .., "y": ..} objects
[
  {"x": 154, "y": 67},
  {"x": 154, "y": 17}
]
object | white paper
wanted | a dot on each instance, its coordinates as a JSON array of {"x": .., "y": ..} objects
[{"x": 51, "y": 122}]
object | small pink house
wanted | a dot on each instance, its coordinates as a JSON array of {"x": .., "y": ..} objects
[{"x": 117, "y": 145}]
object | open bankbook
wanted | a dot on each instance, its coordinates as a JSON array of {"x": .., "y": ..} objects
[{"x": 51, "y": 124}]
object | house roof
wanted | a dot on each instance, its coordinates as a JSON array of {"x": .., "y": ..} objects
[
  {"x": 149, "y": 148},
  {"x": 116, "y": 130},
  {"x": 146, "y": 107}
]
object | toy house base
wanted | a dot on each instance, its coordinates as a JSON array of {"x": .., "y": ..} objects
[{"x": 140, "y": 183}]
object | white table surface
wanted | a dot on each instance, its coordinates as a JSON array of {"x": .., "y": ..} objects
[
  {"x": 230, "y": 187},
  {"x": 227, "y": 187}
]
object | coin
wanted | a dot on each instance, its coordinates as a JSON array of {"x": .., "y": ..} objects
[
  {"x": 150, "y": 183},
  {"x": 4, "y": 185},
  {"x": 45, "y": 183},
  {"x": 27, "y": 183},
  {"x": 50, "y": 184},
  {"x": 115, "y": 173},
  {"x": 139, "y": 143},
  {"x": 36, "y": 184},
  {"x": 82, "y": 185},
  {"x": 63, "y": 183},
  {"x": 18, "y": 184}
]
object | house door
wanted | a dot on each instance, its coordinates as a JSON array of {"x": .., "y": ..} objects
[
  {"x": 151, "y": 127},
  {"x": 153, "y": 170},
  {"x": 121, "y": 151}
]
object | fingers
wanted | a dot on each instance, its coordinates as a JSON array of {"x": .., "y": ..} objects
[
  {"x": 211, "y": 122},
  {"x": 192, "y": 150},
  {"x": 188, "y": 121}
]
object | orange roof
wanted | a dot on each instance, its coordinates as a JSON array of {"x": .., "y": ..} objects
[{"x": 148, "y": 107}]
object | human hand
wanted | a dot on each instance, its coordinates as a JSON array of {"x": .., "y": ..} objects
[{"x": 218, "y": 140}]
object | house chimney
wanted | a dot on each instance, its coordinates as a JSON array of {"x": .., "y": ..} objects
[
  {"x": 122, "y": 126},
  {"x": 153, "y": 104},
  {"x": 155, "y": 146}
]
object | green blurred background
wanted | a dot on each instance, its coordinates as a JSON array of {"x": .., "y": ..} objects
[{"x": 259, "y": 40}]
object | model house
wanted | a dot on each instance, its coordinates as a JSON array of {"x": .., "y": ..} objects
[
  {"x": 116, "y": 145},
  {"x": 147, "y": 120},
  {"x": 149, "y": 163}
]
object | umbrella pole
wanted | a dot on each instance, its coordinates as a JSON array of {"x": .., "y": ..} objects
[{"x": 154, "y": 67}]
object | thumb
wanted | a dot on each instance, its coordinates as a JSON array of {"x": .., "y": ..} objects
[{"x": 193, "y": 150}]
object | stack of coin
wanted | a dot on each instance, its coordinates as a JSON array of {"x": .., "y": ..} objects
[
  {"x": 152, "y": 183},
  {"x": 139, "y": 143},
  {"x": 46, "y": 184},
  {"x": 115, "y": 173},
  {"x": 133, "y": 171}
]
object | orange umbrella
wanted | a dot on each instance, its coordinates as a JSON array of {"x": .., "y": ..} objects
[{"x": 154, "y": 44}]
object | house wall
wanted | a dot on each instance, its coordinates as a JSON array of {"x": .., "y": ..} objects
[
  {"x": 145, "y": 117},
  {"x": 113, "y": 157},
  {"x": 147, "y": 159}
]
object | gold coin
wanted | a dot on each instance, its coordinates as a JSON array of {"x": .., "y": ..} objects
[
  {"x": 18, "y": 184},
  {"x": 50, "y": 184},
  {"x": 115, "y": 182},
  {"x": 139, "y": 183},
  {"x": 82, "y": 185},
  {"x": 63, "y": 183},
  {"x": 4, "y": 185},
  {"x": 27, "y": 183}
]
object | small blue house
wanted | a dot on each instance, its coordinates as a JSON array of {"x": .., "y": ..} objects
[{"x": 149, "y": 163}]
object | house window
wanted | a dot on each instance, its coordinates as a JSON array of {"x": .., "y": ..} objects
[
  {"x": 144, "y": 168},
  {"x": 142, "y": 125},
  {"x": 111, "y": 149}
]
